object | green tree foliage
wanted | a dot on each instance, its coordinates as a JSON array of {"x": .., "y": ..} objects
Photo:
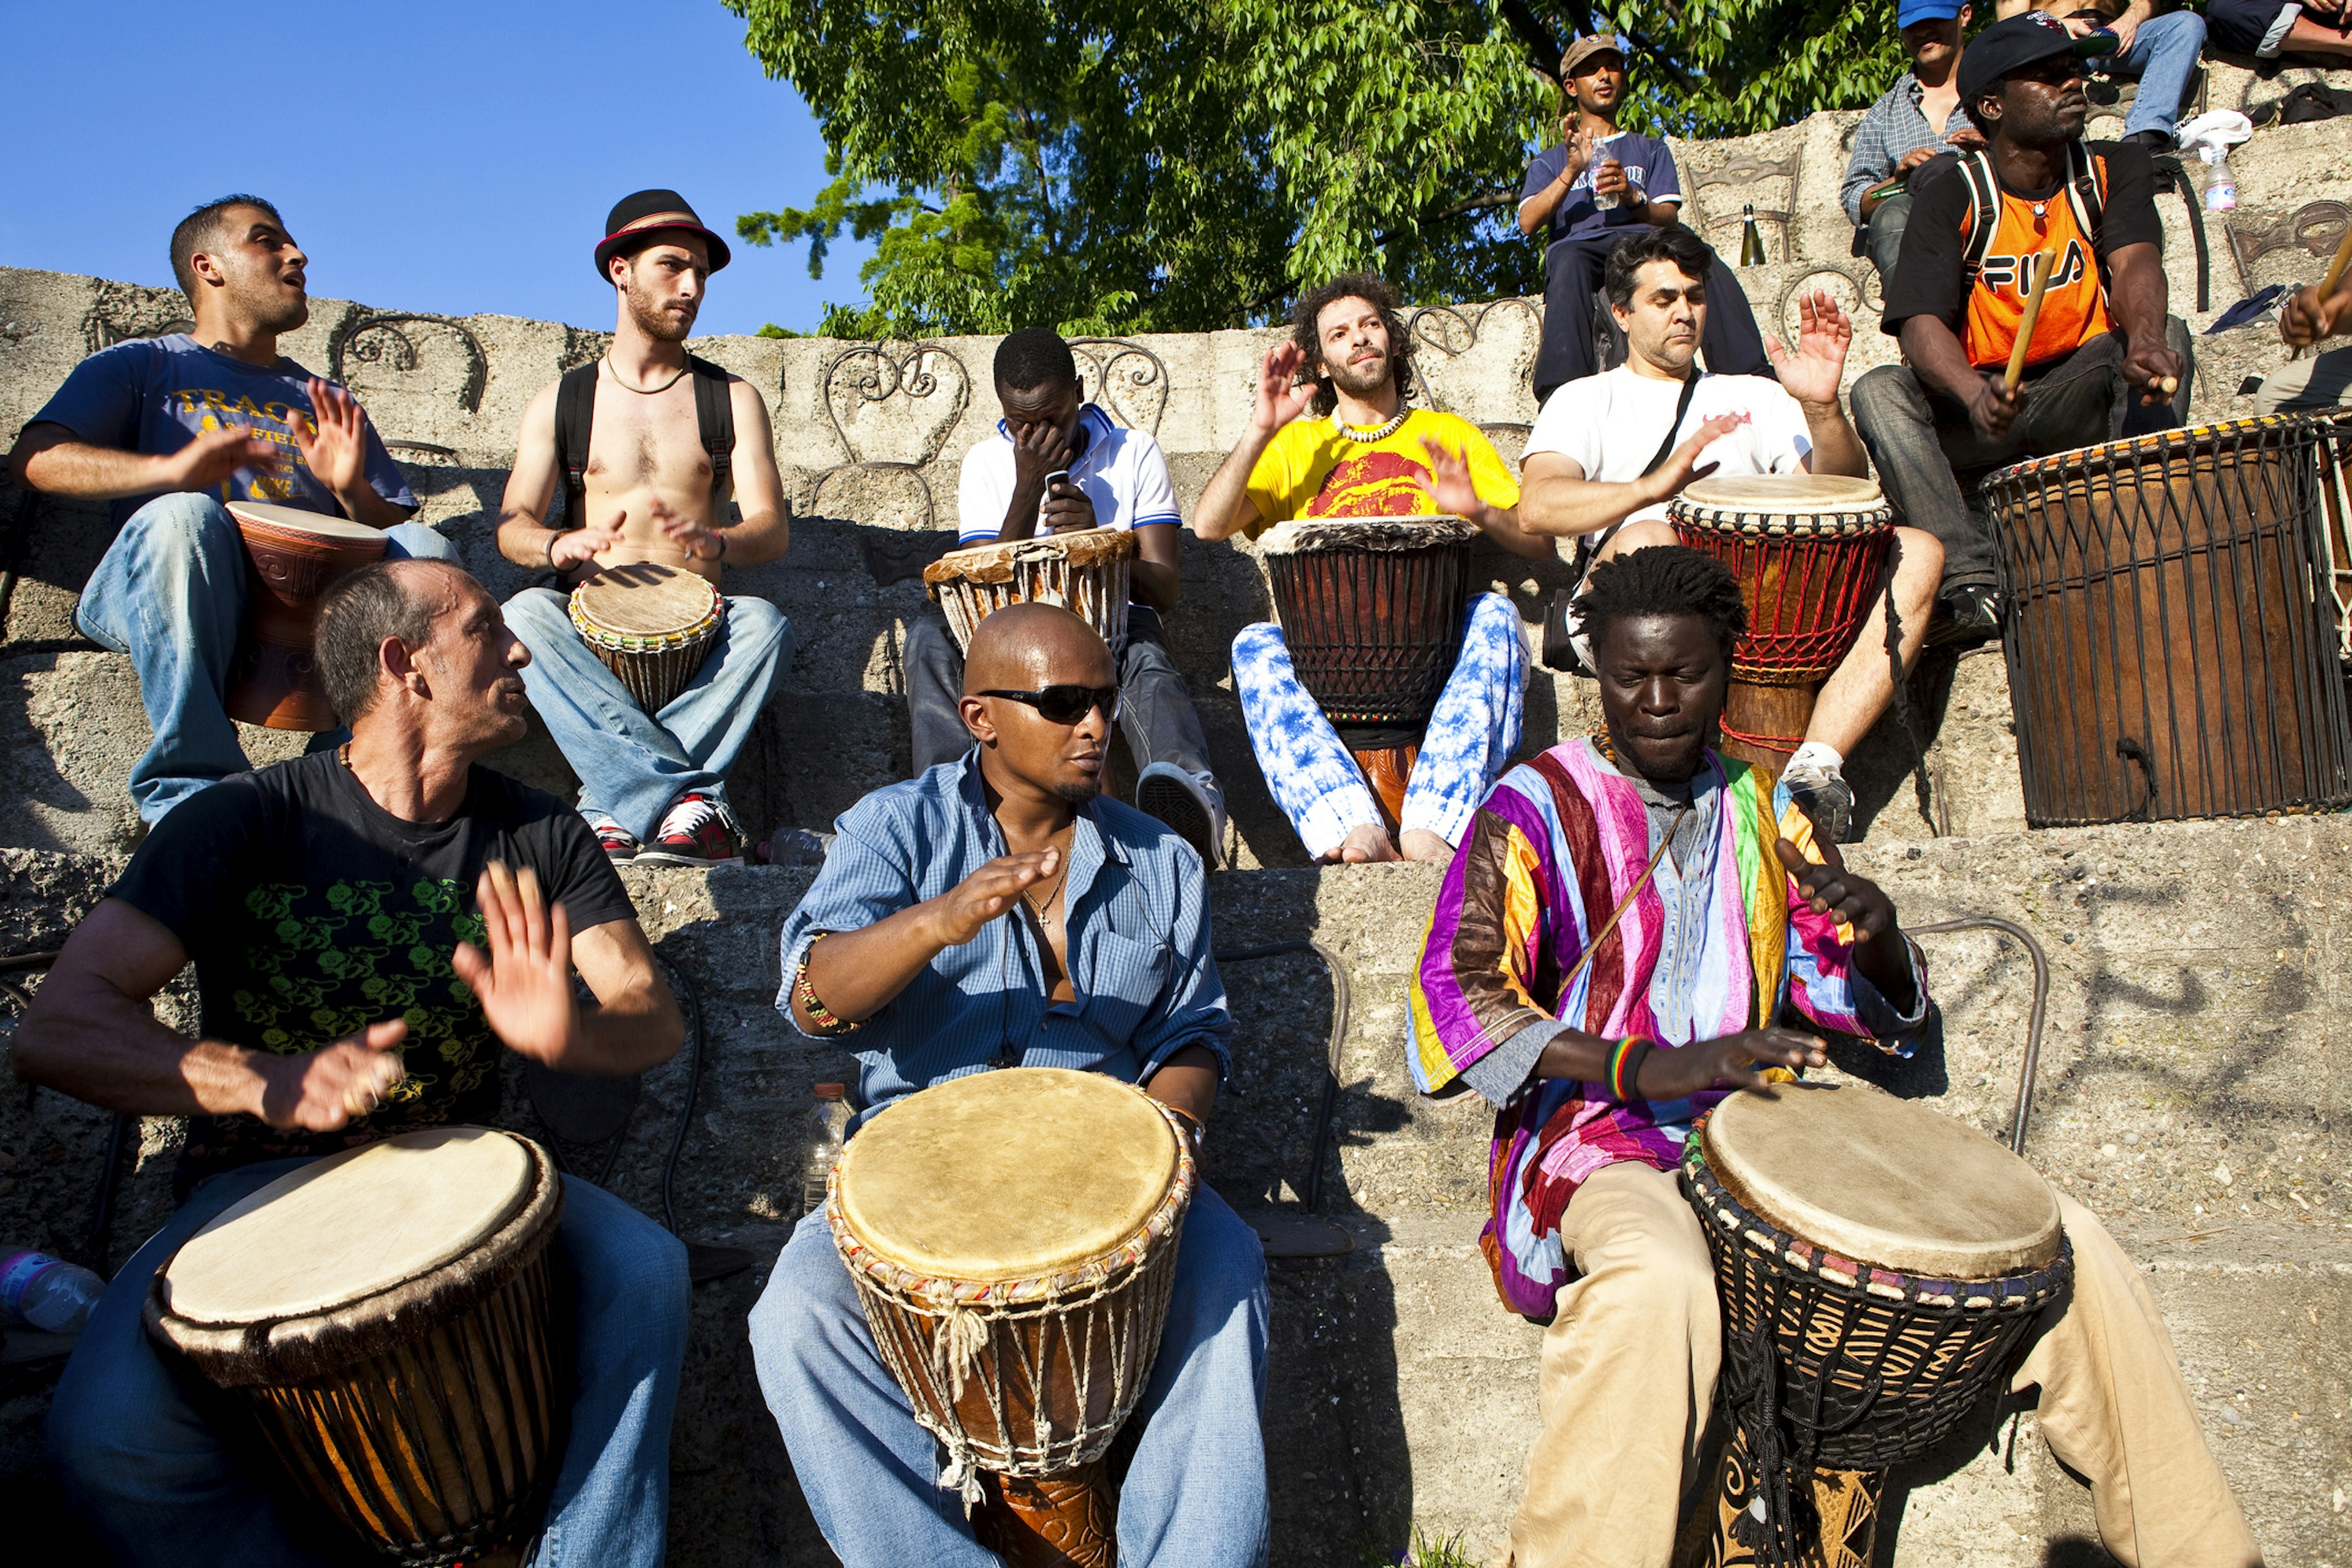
[{"x": 1186, "y": 164}]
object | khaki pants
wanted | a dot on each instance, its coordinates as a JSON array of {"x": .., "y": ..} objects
[{"x": 1630, "y": 1363}]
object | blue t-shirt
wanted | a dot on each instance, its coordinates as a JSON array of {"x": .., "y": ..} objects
[
  {"x": 1649, "y": 169},
  {"x": 154, "y": 395}
]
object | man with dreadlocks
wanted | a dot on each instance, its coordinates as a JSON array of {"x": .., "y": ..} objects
[
  {"x": 1718, "y": 913},
  {"x": 1364, "y": 453}
]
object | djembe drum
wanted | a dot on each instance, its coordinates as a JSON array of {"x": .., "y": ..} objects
[
  {"x": 1084, "y": 572},
  {"x": 652, "y": 626},
  {"x": 1371, "y": 609},
  {"x": 1878, "y": 1268},
  {"x": 2172, "y": 638},
  {"x": 2336, "y": 499},
  {"x": 1810, "y": 553},
  {"x": 1013, "y": 1238},
  {"x": 383, "y": 1319},
  {"x": 292, "y": 557}
]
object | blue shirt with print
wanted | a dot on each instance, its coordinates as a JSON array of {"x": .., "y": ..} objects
[
  {"x": 1649, "y": 170},
  {"x": 154, "y": 395}
]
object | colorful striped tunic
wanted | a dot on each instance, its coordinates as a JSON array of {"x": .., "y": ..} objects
[{"x": 1717, "y": 943}]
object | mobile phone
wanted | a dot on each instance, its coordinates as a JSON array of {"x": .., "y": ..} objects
[{"x": 1058, "y": 476}]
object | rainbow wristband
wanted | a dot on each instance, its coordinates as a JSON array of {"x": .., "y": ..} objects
[{"x": 1626, "y": 1065}]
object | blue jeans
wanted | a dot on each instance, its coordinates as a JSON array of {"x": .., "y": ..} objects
[
  {"x": 159, "y": 1489},
  {"x": 171, "y": 595},
  {"x": 1473, "y": 731},
  {"x": 2163, "y": 56},
  {"x": 1194, "y": 1497},
  {"x": 632, "y": 764}
]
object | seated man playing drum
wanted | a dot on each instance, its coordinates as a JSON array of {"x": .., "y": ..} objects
[
  {"x": 1102, "y": 475},
  {"x": 647, "y": 442},
  {"x": 168, "y": 429},
  {"x": 1720, "y": 914},
  {"x": 336, "y": 909},
  {"x": 1000, "y": 912},
  {"x": 2322, "y": 380},
  {"x": 1958, "y": 299},
  {"x": 1365, "y": 454},
  {"x": 1610, "y": 452}
]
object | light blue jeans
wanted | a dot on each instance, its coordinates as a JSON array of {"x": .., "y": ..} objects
[
  {"x": 2163, "y": 56},
  {"x": 1472, "y": 732},
  {"x": 171, "y": 595},
  {"x": 1194, "y": 1497},
  {"x": 632, "y": 764},
  {"x": 159, "y": 1489}
]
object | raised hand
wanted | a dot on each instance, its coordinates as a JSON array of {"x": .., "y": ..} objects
[
  {"x": 1448, "y": 486},
  {"x": 960, "y": 913},
  {"x": 1578, "y": 147},
  {"x": 1829, "y": 889},
  {"x": 524, "y": 984},
  {"x": 321, "y": 1090},
  {"x": 1824, "y": 332},
  {"x": 334, "y": 442},
  {"x": 688, "y": 533},
  {"x": 1278, "y": 400},
  {"x": 1729, "y": 1062},
  {"x": 1681, "y": 464},
  {"x": 214, "y": 455}
]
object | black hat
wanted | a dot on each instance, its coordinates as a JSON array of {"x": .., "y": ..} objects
[
  {"x": 2019, "y": 42},
  {"x": 652, "y": 212}
]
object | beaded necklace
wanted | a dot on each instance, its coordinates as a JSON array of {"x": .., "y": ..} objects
[{"x": 1378, "y": 432}]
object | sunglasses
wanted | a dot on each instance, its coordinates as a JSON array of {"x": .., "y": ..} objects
[{"x": 1067, "y": 704}]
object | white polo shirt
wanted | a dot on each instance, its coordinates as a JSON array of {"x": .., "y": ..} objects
[
  {"x": 1611, "y": 423},
  {"x": 1122, "y": 472}
]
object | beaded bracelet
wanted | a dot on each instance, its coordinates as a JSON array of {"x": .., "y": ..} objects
[
  {"x": 805, "y": 995},
  {"x": 1626, "y": 1065}
]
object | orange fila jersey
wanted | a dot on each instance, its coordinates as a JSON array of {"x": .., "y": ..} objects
[{"x": 2074, "y": 305}]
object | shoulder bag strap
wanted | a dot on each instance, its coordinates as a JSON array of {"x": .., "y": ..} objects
[
  {"x": 714, "y": 416},
  {"x": 575, "y": 413}
]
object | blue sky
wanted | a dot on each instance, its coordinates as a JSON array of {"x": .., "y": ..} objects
[{"x": 428, "y": 155}]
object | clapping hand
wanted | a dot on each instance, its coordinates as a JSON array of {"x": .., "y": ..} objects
[
  {"x": 333, "y": 442},
  {"x": 1278, "y": 400},
  {"x": 689, "y": 533},
  {"x": 1825, "y": 334},
  {"x": 524, "y": 984}
]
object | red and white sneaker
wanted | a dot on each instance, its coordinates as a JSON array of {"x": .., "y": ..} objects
[
  {"x": 620, "y": 846},
  {"x": 696, "y": 831}
]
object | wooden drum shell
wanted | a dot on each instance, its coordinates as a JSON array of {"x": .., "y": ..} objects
[
  {"x": 653, "y": 665},
  {"x": 429, "y": 1419},
  {"x": 1087, "y": 573},
  {"x": 2172, "y": 639},
  {"x": 1372, "y": 614},
  {"x": 274, "y": 680}
]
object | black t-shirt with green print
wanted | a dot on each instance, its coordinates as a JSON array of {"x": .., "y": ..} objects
[{"x": 310, "y": 913}]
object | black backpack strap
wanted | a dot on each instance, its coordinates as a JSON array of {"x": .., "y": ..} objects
[
  {"x": 1984, "y": 217},
  {"x": 2087, "y": 181},
  {"x": 714, "y": 416},
  {"x": 575, "y": 411}
]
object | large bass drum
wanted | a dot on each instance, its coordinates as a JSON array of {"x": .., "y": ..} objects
[{"x": 2172, "y": 635}]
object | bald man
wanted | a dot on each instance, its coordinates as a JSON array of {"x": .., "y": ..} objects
[{"x": 999, "y": 911}]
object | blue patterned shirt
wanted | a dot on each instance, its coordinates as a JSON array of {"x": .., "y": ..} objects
[
  {"x": 1136, "y": 907},
  {"x": 1892, "y": 130}
]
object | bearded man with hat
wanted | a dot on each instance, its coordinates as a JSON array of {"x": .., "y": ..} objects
[
  {"x": 2102, "y": 351},
  {"x": 649, "y": 442}
]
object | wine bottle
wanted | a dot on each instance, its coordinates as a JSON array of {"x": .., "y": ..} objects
[{"x": 1751, "y": 242}]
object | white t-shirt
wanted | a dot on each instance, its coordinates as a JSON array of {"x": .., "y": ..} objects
[
  {"x": 1611, "y": 424},
  {"x": 1122, "y": 472}
]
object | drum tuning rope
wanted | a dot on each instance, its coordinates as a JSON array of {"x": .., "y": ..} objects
[{"x": 2031, "y": 1065}]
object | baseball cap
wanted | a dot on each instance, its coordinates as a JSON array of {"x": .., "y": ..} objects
[
  {"x": 1584, "y": 48},
  {"x": 1927, "y": 11},
  {"x": 642, "y": 213},
  {"x": 2019, "y": 42}
]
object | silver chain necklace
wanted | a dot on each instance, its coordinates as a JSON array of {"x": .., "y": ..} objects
[{"x": 1377, "y": 433}]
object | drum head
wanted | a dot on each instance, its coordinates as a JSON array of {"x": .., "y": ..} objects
[
  {"x": 995, "y": 562},
  {"x": 1301, "y": 534},
  {"x": 349, "y": 1225},
  {"x": 1007, "y": 1175},
  {"x": 1881, "y": 1181},
  {"x": 294, "y": 520},
  {"x": 1785, "y": 492},
  {"x": 645, "y": 600}
]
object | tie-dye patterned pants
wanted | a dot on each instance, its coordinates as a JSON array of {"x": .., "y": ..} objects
[{"x": 1471, "y": 737}]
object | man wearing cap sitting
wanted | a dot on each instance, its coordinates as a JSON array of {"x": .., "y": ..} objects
[
  {"x": 1585, "y": 194},
  {"x": 647, "y": 442},
  {"x": 1958, "y": 299},
  {"x": 1915, "y": 119}
]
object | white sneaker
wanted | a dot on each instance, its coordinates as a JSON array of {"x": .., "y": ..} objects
[
  {"x": 1822, "y": 793},
  {"x": 1177, "y": 798}
]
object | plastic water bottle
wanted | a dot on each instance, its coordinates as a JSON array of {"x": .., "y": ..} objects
[
  {"x": 2220, "y": 186},
  {"x": 48, "y": 1293},
  {"x": 829, "y": 1126}
]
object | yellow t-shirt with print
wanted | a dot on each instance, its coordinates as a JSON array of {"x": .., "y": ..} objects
[{"x": 1309, "y": 470}]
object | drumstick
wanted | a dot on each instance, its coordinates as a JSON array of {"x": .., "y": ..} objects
[{"x": 2040, "y": 263}]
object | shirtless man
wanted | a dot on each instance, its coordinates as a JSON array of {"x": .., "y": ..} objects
[{"x": 646, "y": 474}]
